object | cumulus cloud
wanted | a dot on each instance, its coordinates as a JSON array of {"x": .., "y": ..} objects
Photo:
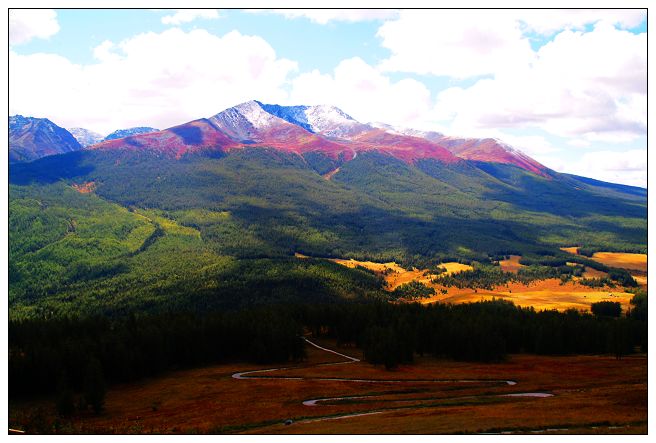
[
  {"x": 324, "y": 16},
  {"x": 471, "y": 43},
  {"x": 26, "y": 24},
  {"x": 363, "y": 92},
  {"x": 589, "y": 86},
  {"x": 152, "y": 79},
  {"x": 628, "y": 167},
  {"x": 189, "y": 15}
]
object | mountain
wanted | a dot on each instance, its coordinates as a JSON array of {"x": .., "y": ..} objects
[
  {"x": 32, "y": 138},
  {"x": 85, "y": 137},
  {"x": 121, "y": 133},
  {"x": 212, "y": 211},
  {"x": 322, "y": 131}
]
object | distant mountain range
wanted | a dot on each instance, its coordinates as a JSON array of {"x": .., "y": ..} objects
[{"x": 301, "y": 129}]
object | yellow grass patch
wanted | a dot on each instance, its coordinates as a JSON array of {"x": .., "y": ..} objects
[
  {"x": 543, "y": 294},
  {"x": 572, "y": 250},
  {"x": 395, "y": 275},
  {"x": 511, "y": 264},
  {"x": 330, "y": 174},
  {"x": 453, "y": 267},
  {"x": 84, "y": 188},
  {"x": 593, "y": 273},
  {"x": 637, "y": 262},
  {"x": 372, "y": 266},
  {"x": 539, "y": 300}
]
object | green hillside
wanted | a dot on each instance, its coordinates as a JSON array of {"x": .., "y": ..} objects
[{"x": 222, "y": 230}]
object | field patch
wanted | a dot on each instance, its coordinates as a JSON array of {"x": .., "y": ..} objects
[
  {"x": 634, "y": 262},
  {"x": 542, "y": 294}
]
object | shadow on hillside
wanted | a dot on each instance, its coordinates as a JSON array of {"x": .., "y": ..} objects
[{"x": 50, "y": 169}]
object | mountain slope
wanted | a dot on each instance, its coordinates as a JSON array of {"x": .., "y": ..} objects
[{"x": 32, "y": 138}]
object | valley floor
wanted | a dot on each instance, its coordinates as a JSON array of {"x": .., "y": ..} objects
[{"x": 576, "y": 394}]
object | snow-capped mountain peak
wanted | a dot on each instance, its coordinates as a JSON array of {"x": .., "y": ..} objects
[{"x": 245, "y": 121}]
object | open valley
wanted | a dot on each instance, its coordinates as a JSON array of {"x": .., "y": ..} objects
[{"x": 524, "y": 394}]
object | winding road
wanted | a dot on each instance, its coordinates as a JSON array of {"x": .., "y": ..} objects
[{"x": 418, "y": 402}]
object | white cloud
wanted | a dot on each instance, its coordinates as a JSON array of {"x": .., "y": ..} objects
[
  {"x": 364, "y": 93},
  {"x": 189, "y": 15},
  {"x": 457, "y": 43},
  {"x": 26, "y": 24},
  {"x": 578, "y": 143},
  {"x": 152, "y": 79},
  {"x": 324, "y": 16},
  {"x": 588, "y": 86},
  {"x": 628, "y": 167},
  {"x": 471, "y": 43}
]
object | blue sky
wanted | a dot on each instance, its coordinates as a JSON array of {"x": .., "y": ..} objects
[{"x": 567, "y": 88}]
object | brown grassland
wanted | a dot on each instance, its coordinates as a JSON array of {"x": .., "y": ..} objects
[{"x": 591, "y": 394}]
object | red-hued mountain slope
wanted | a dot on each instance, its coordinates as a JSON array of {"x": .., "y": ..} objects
[{"x": 324, "y": 129}]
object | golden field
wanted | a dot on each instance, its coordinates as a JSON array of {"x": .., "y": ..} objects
[{"x": 544, "y": 294}]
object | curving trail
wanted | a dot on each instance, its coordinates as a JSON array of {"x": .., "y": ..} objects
[{"x": 418, "y": 402}]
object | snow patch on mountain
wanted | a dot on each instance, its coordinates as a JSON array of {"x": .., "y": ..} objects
[
  {"x": 85, "y": 137},
  {"x": 321, "y": 119},
  {"x": 333, "y": 122},
  {"x": 122, "y": 133}
]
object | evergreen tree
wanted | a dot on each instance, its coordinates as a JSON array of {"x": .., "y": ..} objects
[{"x": 94, "y": 386}]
